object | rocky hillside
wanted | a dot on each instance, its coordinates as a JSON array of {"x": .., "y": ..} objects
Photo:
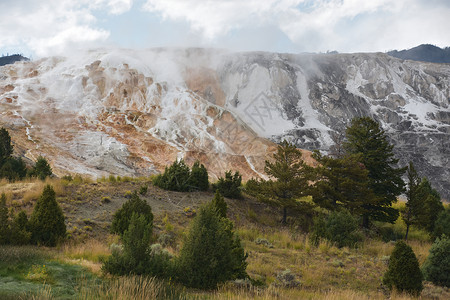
[{"x": 132, "y": 112}]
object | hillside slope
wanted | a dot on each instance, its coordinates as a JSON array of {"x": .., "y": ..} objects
[{"x": 131, "y": 112}]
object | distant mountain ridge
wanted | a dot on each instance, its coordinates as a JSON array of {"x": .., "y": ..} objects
[
  {"x": 425, "y": 52},
  {"x": 10, "y": 59}
]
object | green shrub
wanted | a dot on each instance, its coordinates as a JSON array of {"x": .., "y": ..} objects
[
  {"x": 47, "y": 220},
  {"x": 403, "y": 272},
  {"x": 442, "y": 224},
  {"x": 437, "y": 266},
  {"x": 178, "y": 177},
  {"x": 166, "y": 239},
  {"x": 136, "y": 242},
  {"x": 136, "y": 255},
  {"x": 198, "y": 179},
  {"x": 13, "y": 169},
  {"x": 20, "y": 229},
  {"x": 67, "y": 177},
  {"x": 389, "y": 232},
  {"x": 338, "y": 227},
  {"x": 143, "y": 190},
  {"x": 41, "y": 169},
  {"x": 264, "y": 242},
  {"x": 211, "y": 253},
  {"x": 106, "y": 200},
  {"x": 230, "y": 186},
  {"x": 122, "y": 217},
  {"x": 174, "y": 178},
  {"x": 219, "y": 204}
]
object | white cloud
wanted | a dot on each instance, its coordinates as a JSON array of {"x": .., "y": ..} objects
[
  {"x": 215, "y": 18},
  {"x": 50, "y": 27},
  {"x": 344, "y": 25},
  {"x": 115, "y": 7}
]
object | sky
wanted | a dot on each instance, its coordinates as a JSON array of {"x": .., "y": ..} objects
[{"x": 55, "y": 27}]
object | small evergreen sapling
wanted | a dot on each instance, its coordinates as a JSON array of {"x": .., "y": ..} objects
[
  {"x": 20, "y": 229},
  {"x": 220, "y": 205},
  {"x": 230, "y": 186},
  {"x": 41, "y": 169},
  {"x": 442, "y": 224},
  {"x": 404, "y": 273},
  {"x": 47, "y": 220},
  {"x": 122, "y": 217},
  {"x": 437, "y": 266},
  {"x": 134, "y": 257},
  {"x": 211, "y": 254},
  {"x": 198, "y": 180}
]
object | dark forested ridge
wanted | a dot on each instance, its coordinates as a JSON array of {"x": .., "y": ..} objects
[
  {"x": 10, "y": 59},
  {"x": 425, "y": 52}
]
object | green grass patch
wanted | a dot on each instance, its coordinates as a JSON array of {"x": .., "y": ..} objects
[{"x": 31, "y": 271}]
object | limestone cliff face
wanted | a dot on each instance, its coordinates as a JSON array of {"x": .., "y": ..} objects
[{"x": 133, "y": 112}]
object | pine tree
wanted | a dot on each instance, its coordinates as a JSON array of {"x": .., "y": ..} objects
[
  {"x": 403, "y": 272},
  {"x": 134, "y": 258},
  {"x": 41, "y": 169},
  {"x": 5, "y": 231},
  {"x": 431, "y": 205},
  {"x": 342, "y": 183},
  {"x": 6, "y": 149},
  {"x": 198, "y": 180},
  {"x": 230, "y": 185},
  {"x": 365, "y": 137},
  {"x": 291, "y": 176},
  {"x": 13, "y": 169},
  {"x": 219, "y": 204},
  {"x": 175, "y": 178},
  {"x": 47, "y": 220},
  {"x": 20, "y": 234},
  {"x": 442, "y": 224},
  {"x": 413, "y": 206},
  {"x": 122, "y": 217},
  {"x": 211, "y": 253},
  {"x": 437, "y": 266}
]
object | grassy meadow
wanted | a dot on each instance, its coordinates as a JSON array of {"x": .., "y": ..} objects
[{"x": 72, "y": 270}]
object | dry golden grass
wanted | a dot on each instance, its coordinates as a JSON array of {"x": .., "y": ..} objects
[
  {"x": 91, "y": 250},
  {"x": 130, "y": 288}
]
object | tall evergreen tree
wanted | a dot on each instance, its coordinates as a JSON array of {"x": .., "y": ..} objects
[
  {"x": 291, "y": 176},
  {"x": 431, "y": 205},
  {"x": 342, "y": 183},
  {"x": 6, "y": 148},
  {"x": 365, "y": 137},
  {"x": 413, "y": 206},
  {"x": 47, "y": 220}
]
